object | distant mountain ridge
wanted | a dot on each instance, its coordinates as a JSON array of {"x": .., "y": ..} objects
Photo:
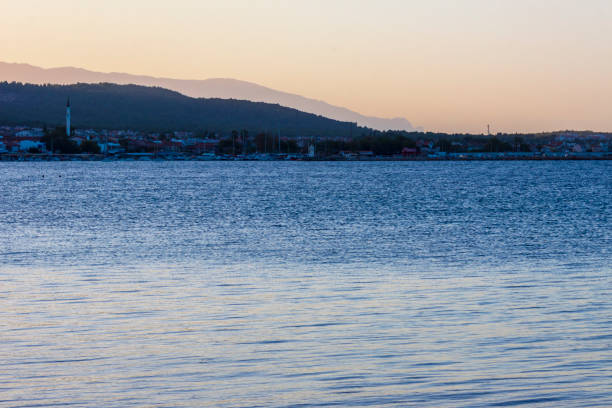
[{"x": 223, "y": 88}]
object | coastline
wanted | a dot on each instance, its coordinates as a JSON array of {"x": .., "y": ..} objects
[{"x": 29, "y": 157}]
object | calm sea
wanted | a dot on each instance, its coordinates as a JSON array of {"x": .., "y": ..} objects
[{"x": 254, "y": 284}]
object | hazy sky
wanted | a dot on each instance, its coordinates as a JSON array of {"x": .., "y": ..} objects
[{"x": 450, "y": 65}]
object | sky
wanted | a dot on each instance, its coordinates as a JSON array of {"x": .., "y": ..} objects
[{"x": 445, "y": 65}]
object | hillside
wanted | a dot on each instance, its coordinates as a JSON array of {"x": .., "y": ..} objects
[
  {"x": 208, "y": 88},
  {"x": 154, "y": 109}
]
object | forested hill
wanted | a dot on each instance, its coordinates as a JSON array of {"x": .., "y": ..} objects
[{"x": 110, "y": 106}]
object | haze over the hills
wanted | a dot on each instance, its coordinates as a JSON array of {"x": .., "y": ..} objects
[{"x": 224, "y": 88}]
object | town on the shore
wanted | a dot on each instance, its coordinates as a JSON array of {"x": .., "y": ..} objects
[
  {"x": 64, "y": 143},
  {"x": 27, "y": 143},
  {"x": 35, "y": 143}
]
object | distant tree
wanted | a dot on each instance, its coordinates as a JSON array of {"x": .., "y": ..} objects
[
  {"x": 67, "y": 146},
  {"x": 495, "y": 145},
  {"x": 56, "y": 141},
  {"x": 89, "y": 146},
  {"x": 125, "y": 143},
  {"x": 234, "y": 135},
  {"x": 225, "y": 146},
  {"x": 260, "y": 142},
  {"x": 444, "y": 145},
  {"x": 289, "y": 146}
]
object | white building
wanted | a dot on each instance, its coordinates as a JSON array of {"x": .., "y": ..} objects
[
  {"x": 26, "y": 145},
  {"x": 35, "y": 133}
]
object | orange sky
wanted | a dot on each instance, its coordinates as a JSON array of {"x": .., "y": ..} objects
[{"x": 443, "y": 64}]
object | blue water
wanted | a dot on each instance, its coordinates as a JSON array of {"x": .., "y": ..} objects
[{"x": 256, "y": 284}]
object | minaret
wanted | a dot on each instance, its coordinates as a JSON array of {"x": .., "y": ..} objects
[{"x": 68, "y": 118}]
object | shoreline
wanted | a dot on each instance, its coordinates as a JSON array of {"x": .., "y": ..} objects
[{"x": 27, "y": 157}]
